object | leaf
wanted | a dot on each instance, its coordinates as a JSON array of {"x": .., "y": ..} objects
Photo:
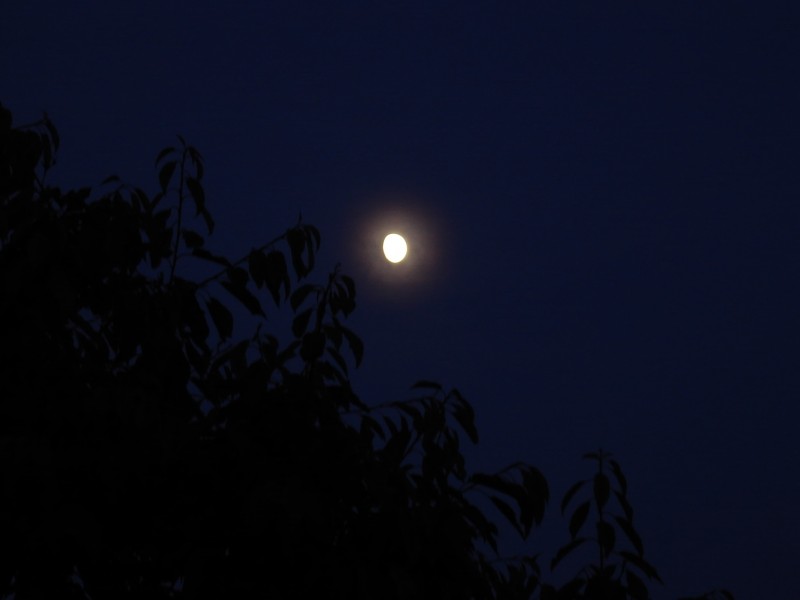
[
  {"x": 164, "y": 153},
  {"x": 51, "y": 129},
  {"x": 276, "y": 275},
  {"x": 606, "y": 537},
  {"x": 631, "y": 534},
  {"x": 602, "y": 488},
  {"x": 206, "y": 255},
  {"x": 570, "y": 493},
  {"x": 636, "y": 587},
  {"x": 243, "y": 295},
  {"x": 192, "y": 238},
  {"x": 537, "y": 494},
  {"x": 257, "y": 265},
  {"x": 626, "y": 506},
  {"x": 355, "y": 343},
  {"x": 222, "y": 318},
  {"x": 313, "y": 346},
  {"x": 508, "y": 513},
  {"x": 350, "y": 285},
  {"x": 110, "y": 179},
  {"x": 301, "y": 293},
  {"x": 209, "y": 221},
  {"x": 565, "y": 550},
  {"x": 426, "y": 384},
  {"x": 165, "y": 174},
  {"x": 296, "y": 241},
  {"x": 578, "y": 518},
  {"x": 623, "y": 482},
  {"x": 644, "y": 566},
  {"x": 198, "y": 194},
  {"x": 300, "y": 322},
  {"x": 465, "y": 416}
]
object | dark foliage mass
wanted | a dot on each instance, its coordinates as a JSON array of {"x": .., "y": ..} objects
[{"x": 149, "y": 452}]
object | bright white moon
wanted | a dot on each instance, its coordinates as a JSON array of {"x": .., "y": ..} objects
[{"x": 394, "y": 247}]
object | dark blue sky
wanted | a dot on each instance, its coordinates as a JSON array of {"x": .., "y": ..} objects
[{"x": 602, "y": 200}]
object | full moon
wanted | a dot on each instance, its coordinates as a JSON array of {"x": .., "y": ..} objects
[{"x": 394, "y": 247}]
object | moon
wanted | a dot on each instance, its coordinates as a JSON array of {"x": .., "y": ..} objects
[{"x": 394, "y": 247}]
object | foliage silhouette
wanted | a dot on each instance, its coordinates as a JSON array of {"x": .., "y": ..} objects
[{"x": 148, "y": 453}]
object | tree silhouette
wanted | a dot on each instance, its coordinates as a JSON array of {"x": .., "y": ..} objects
[{"x": 147, "y": 452}]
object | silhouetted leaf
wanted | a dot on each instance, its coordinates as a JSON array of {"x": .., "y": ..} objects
[
  {"x": 198, "y": 194},
  {"x": 465, "y": 416},
  {"x": 277, "y": 275},
  {"x": 644, "y": 566},
  {"x": 623, "y": 483},
  {"x": 578, "y": 518},
  {"x": 537, "y": 494},
  {"x": 508, "y": 513},
  {"x": 257, "y": 265},
  {"x": 163, "y": 154},
  {"x": 565, "y": 550},
  {"x": 301, "y": 293},
  {"x": 636, "y": 587},
  {"x": 206, "y": 255},
  {"x": 425, "y": 384},
  {"x": 297, "y": 245},
  {"x": 570, "y": 493},
  {"x": 631, "y": 534},
  {"x": 606, "y": 537},
  {"x": 602, "y": 488},
  {"x": 355, "y": 343},
  {"x": 192, "y": 239},
  {"x": 626, "y": 506},
  {"x": 300, "y": 322},
  {"x": 165, "y": 174},
  {"x": 313, "y": 346},
  {"x": 222, "y": 318},
  {"x": 51, "y": 129},
  {"x": 238, "y": 290}
]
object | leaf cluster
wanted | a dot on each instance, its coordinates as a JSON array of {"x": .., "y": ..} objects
[{"x": 149, "y": 451}]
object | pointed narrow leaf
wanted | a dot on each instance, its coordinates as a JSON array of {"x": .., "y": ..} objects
[
  {"x": 565, "y": 550},
  {"x": 300, "y": 322},
  {"x": 301, "y": 293},
  {"x": 631, "y": 534},
  {"x": 164, "y": 153},
  {"x": 602, "y": 488},
  {"x": 578, "y": 518},
  {"x": 465, "y": 417},
  {"x": 606, "y": 537},
  {"x": 165, "y": 174},
  {"x": 644, "y": 566},
  {"x": 355, "y": 343},
  {"x": 623, "y": 483},
  {"x": 426, "y": 384},
  {"x": 243, "y": 295},
  {"x": 636, "y": 587},
  {"x": 626, "y": 506},
  {"x": 508, "y": 513},
  {"x": 222, "y": 318},
  {"x": 198, "y": 194},
  {"x": 206, "y": 255},
  {"x": 192, "y": 238},
  {"x": 570, "y": 493}
]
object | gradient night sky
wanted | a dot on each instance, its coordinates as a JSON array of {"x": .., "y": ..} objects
[{"x": 603, "y": 200}]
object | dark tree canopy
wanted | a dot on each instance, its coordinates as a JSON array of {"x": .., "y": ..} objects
[{"x": 149, "y": 452}]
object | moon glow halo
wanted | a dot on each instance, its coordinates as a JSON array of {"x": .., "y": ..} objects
[{"x": 394, "y": 247}]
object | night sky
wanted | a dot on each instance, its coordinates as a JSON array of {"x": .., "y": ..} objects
[{"x": 602, "y": 202}]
